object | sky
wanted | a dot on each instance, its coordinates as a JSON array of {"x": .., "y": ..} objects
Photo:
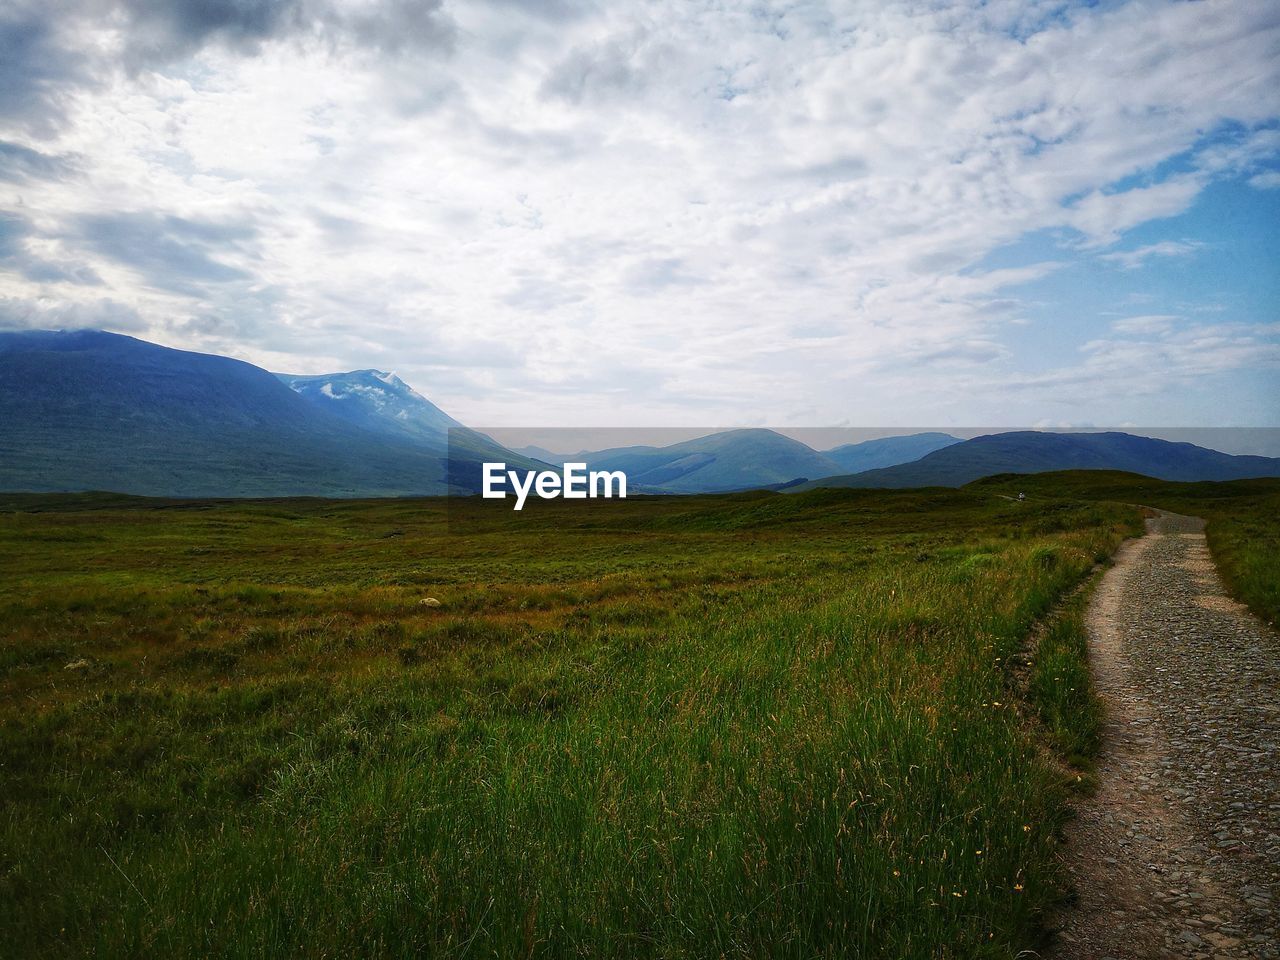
[{"x": 568, "y": 213}]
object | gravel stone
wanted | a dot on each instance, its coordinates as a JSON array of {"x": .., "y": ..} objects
[{"x": 1186, "y": 820}]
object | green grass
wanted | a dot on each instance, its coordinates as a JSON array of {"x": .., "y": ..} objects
[
  {"x": 740, "y": 726},
  {"x": 1061, "y": 686},
  {"x": 1243, "y": 519}
]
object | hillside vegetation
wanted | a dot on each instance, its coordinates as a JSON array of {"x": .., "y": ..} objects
[{"x": 743, "y": 726}]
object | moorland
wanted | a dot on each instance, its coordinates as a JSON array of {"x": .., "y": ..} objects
[{"x": 832, "y": 723}]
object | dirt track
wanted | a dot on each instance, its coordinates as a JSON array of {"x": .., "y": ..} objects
[{"x": 1178, "y": 854}]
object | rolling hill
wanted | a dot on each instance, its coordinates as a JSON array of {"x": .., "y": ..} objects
[
  {"x": 1031, "y": 451},
  {"x": 731, "y": 460},
  {"x": 888, "y": 451},
  {"x": 746, "y": 459}
]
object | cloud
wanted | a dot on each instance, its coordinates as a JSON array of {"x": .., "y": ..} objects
[
  {"x": 639, "y": 210},
  {"x": 169, "y": 252},
  {"x": 542, "y": 294},
  {"x": 1152, "y": 324},
  {"x": 1103, "y": 216},
  {"x": 49, "y": 53},
  {"x": 37, "y": 67},
  {"x": 1158, "y": 358},
  {"x": 616, "y": 68},
  {"x": 160, "y": 32},
  {"x": 1132, "y": 259},
  {"x": 50, "y": 314},
  {"x": 652, "y": 274},
  {"x": 16, "y": 256},
  {"x": 20, "y": 164}
]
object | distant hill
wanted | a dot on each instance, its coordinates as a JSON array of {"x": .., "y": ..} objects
[
  {"x": 732, "y": 460},
  {"x": 543, "y": 454},
  {"x": 888, "y": 451},
  {"x": 87, "y": 410},
  {"x": 1030, "y": 451}
]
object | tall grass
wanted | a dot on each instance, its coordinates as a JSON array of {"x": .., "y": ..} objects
[
  {"x": 1243, "y": 520},
  {"x": 1061, "y": 685},
  {"x": 684, "y": 728}
]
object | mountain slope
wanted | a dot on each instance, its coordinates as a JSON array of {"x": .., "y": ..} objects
[
  {"x": 377, "y": 401},
  {"x": 1030, "y": 451},
  {"x": 732, "y": 460},
  {"x": 381, "y": 403},
  {"x": 91, "y": 410},
  {"x": 888, "y": 451}
]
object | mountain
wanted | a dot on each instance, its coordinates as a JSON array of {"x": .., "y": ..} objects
[
  {"x": 772, "y": 462},
  {"x": 87, "y": 410},
  {"x": 732, "y": 460},
  {"x": 543, "y": 454},
  {"x": 377, "y": 401},
  {"x": 382, "y": 403},
  {"x": 1030, "y": 451},
  {"x": 888, "y": 451}
]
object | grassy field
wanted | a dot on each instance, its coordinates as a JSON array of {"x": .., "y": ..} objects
[
  {"x": 1243, "y": 520},
  {"x": 755, "y": 725}
]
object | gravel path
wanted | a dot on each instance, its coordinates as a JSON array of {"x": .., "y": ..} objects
[{"x": 1178, "y": 853}]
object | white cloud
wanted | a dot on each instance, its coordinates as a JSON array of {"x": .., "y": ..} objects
[
  {"x": 1132, "y": 259},
  {"x": 580, "y": 213},
  {"x": 1152, "y": 356},
  {"x": 1151, "y": 324}
]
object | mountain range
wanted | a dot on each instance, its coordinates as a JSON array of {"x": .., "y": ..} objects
[
  {"x": 731, "y": 460},
  {"x": 89, "y": 410},
  {"x": 745, "y": 459},
  {"x": 1035, "y": 451}
]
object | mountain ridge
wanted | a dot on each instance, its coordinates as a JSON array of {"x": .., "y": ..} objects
[
  {"x": 1034, "y": 451},
  {"x": 85, "y": 409},
  {"x": 90, "y": 410},
  {"x": 741, "y": 459},
  {"x": 888, "y": 451},
  {"x": 375, "y": 400}
]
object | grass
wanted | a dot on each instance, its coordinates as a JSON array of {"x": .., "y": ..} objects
[
  {"x": 1243, "y": 518},
  {"x": 1061, "y": 687},
  {"x": 718, "y": 726}
]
